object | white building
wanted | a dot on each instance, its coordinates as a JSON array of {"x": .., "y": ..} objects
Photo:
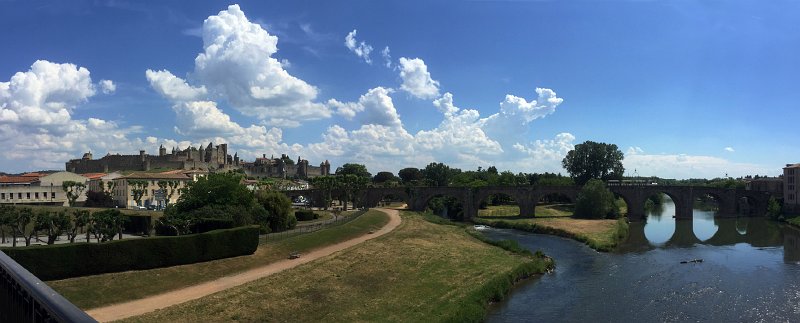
[{"x": 36, "y": 188}]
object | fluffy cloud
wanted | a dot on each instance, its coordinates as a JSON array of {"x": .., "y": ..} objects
[
  {"x": 237, "y": 66},
  {"x": 173, "y": 87},
  {"x": 545, "y": 154},
  {"x": 417, "y": 80},
  {"x": 360, "y": 49},
  {"x": 459, "y": 133},
  {"x": 107, "y": 86},
  {"x": 729, "y": 149},
  {"x": 376, "y": 105},
  {"x": 44, "y": 95},
  {"x": 36, "y": 117},
  {"x": 516, "y": 113}
]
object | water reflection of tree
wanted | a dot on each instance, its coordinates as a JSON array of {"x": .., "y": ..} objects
[{"x": 791, "y": 244}]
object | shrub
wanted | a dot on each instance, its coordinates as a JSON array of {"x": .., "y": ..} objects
[
  {"x": 206, "y": 225},
  {"x": 278, "y": 207},
  {"x": 305, "y": 215},
  {"x": 98, "y": 199},
  {"x": 595, "y": 201},
  {"x": 82, "y": 259}
]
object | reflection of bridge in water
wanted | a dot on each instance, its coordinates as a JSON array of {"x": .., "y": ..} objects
[
  {"x": 757, "y": 232},
  {"x": 730, "y": 201}
]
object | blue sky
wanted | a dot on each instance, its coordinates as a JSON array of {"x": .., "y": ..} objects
[{"x": 684, "y": 88}]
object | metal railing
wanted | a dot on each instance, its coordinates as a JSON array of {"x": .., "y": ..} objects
[
  {"x": 303, "y": 229},
  {"x": 25, "y": 298}
]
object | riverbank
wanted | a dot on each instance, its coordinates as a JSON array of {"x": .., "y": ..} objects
[
  {"x": 601, "y": 235},
  {"x": 101, "y": 290},
  {"x": 421, "y": 271}
]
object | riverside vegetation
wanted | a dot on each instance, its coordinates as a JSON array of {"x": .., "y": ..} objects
[{"x": 422, "y": 271}]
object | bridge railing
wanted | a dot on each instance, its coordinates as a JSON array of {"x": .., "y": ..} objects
[{"x": 25, "y": 298}]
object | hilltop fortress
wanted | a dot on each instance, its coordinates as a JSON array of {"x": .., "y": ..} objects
[{"x": 211, "y": 158}]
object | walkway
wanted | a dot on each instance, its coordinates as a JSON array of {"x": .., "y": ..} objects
[{"x": 149, "y": 304}]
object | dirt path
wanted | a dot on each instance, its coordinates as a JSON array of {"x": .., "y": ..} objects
[{"x": 152, "y": 303}]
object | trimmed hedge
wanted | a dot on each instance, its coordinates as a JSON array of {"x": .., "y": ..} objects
[
  {"x": 305, "y": 215},
  {"x": 83, "y": 259}
]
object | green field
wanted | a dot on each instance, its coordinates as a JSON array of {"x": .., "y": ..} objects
[
  {"x": 544, "y": 210},
  {"x": 421, "y": 272},
  {"x": 99, "y": 290},
  {"x": 603, "y": 235}
]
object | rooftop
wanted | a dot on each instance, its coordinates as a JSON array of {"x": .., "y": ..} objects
[{"x": 155, "y": 176}]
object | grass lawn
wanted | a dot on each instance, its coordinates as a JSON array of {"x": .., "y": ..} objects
[
  {"x": 794, "y": 221},
  {"x": 421, "y": 272},
  {"x": 544, "y": 210},
  {"x": 601, "y": 235},
  {"x": 99, "y": 290}
]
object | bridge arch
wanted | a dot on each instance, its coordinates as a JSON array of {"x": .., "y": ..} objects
[{"x": 519, "y": 195}]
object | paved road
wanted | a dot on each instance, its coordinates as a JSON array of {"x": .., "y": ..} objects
[{"x": 152, "y": 303}]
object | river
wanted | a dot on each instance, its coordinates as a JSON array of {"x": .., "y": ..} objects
[{"x": 750, "y": 271}]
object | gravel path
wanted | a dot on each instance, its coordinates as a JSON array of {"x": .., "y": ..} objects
[{"x": 152, "y": 303}]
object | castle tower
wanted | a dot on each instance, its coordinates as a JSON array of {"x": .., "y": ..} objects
[
  {"x": 162, "y": 151},
  {"x": 224, "y": 153},
  {"x": 87, "y": 156},
  {"x": 236, "y": 159},
  {"x": 201, "y": 155},
  {"x": 141, "y": 155}
]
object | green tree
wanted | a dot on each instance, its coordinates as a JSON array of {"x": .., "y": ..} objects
[
  {"x": 410, "y": 175},
  {"x": 7, "y": 214},
  {"x": 353, "y": 169},
  {"x": 169, "y": 188},
  {"x": 214, "y": 189},
  {"x": 22, "y": 217},
  {"x": 73, "y": 190},
  {"x": 107, "y": 224},
  {"x": 773, "y": 208},
  {"x": 53, "y": 224},
  {"x": 595, "y": 201},
  {"x": 80, "y": 219},
  {"x": 98, "y": 199},
  {"x": 383, "y": 177},
  {"x": 438, "y": 174},
  {"x": 138, "y": 188},
  {"x": 594, "y": 160},
  {"x": 351, "y": 185},
  {"x": 327, "y": 184},
  {"x": 279, "y": 210}
]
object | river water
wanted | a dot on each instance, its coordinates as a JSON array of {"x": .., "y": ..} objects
[{"x": 750, "y": 273}]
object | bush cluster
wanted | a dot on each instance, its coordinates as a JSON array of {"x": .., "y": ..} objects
[
  {"x": 82, "y": 259},
  {"x": 305, "y": 215}
]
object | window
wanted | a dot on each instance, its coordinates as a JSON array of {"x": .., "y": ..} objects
[
  {"x": 2, "y": 196},
  {"x": 10, "y": 196},
  {"x": 19, "y": 196},
  {"x": 28, "y": 195},
  {"x": 36, "y": 195},
  {"x": 791, "y": 197},
  {"x": 791, "y": 172},
  {"x": 791, "y": 187},
  {"x": 52, "y": 195}
]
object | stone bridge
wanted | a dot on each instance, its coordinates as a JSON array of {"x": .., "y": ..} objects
[{"x": 731, "y": 201}]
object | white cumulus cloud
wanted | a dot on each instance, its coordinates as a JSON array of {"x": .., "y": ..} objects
[
  {"x": 360, "y": 49},
  {"x": 729, "y": 149},
  {"x": 107, "y": 86},
  {"x": 173, "y": 87},
  {"x": 417, "y": 80},
  {"x": 387, "y": 57}
]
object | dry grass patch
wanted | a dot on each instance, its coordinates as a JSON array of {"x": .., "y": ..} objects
[
  {"x": 603, "y": 235},
  {"x": 420, "y": 272},
  {"x": 100, "y": 290}
]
